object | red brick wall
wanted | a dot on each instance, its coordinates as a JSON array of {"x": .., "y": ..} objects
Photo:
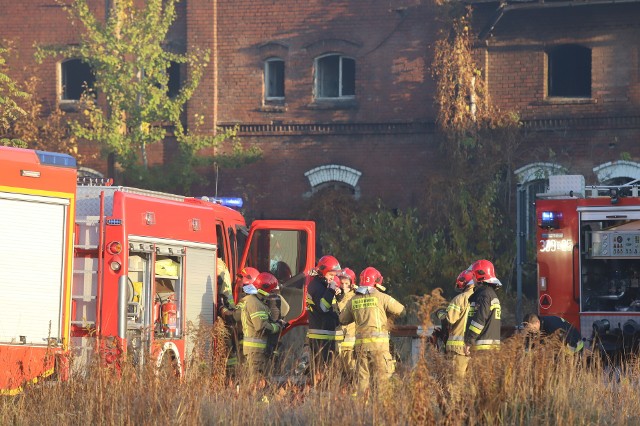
[{"x": 579, "y": 134}]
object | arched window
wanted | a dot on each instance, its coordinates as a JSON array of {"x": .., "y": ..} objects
[
  {"x": 274, "y": 79},
  {"x": 334, "y": 176},
  {"x": 76, "y": 76},
  {"x": 617, "y": 172},
  {"x": 335, "y": 76},
  {"x": 569, "y": 71}
]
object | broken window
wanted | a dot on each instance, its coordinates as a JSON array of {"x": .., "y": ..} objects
[
  {"x": 569, "y": 71},
  {"x": 274, "y": 79},
  {"x": 76, "y": 77},
  {"x": 335, "y": 76}
]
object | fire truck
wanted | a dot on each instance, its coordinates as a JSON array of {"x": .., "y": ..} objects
[
  {"x": 37, "y": 201},
  {"x": 145, "y": 270},
  {"x": 588, "y": 257}
]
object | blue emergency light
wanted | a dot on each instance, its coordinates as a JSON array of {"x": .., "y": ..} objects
[
  {"x": 550, "y": 220},
  {"x": 234, "y": 202}
]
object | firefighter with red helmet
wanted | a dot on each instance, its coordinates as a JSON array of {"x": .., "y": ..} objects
[
  {"x": 323, "y": 319},
  {"x": 257, "y": 323},
  {"x": 483, "y": 330},
  {"x": 455, "y": 317},
  {"x": 370, "y": 308},
  {"x": 347, "y": 279}
]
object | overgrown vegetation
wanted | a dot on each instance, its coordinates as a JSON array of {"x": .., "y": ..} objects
[
  {"x": 545, "y": 386},
  {"x": 130, "y": 106}
]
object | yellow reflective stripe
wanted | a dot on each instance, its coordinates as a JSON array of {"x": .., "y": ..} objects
[
  {"x": 324, "y": 336},
  {"x": 19, "y": 389},
  {"x": 455, "y": 342},
  {"x": 485, "y": 347},
  {"x": 494, "y": 306},
  {"x": 254, "y": 345},
  {"x": 372, "y": 340},
  {"x": 475, "y": 329},
  {"x": 260, "y": 314},
  {"x": 232, "y": 361},
  {"x": 454, "y": 306},
  {"x": 325, "y": 304},
  {"x": 348, "y": 344}
]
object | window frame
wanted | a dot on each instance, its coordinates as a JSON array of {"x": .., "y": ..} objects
[
  {"x": 316, "y": 85},
  {"x": 266, "y": 76},
  {"x": 63, "y": 87},
  {"x": 560, "y": 52}
]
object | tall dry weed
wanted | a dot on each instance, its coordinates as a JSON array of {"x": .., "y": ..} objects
[{"x": 543, "y": 386}]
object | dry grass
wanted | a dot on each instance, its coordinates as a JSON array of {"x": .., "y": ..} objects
[{"x": 543, "y": 387}]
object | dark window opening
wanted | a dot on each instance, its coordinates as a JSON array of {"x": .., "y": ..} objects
[
  {"x": 569, "y": 72},
  {"x": 173, "y": 85},
  {"x": 76, "y": 78},
  {"x": 335, "y": 77},
  {"x": 274, "y": 79}
]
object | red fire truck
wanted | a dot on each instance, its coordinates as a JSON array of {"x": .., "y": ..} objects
[
  {"x": 37, "y": 192},
  {"x": 589, "y": 257},
  {"x": 145, "y": 269}
]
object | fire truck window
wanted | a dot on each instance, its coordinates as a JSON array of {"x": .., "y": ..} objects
[
  {"x": 610, "y": 266},
  {"x": 221, "y": 246},
  {"x": 283, "y": 253}
]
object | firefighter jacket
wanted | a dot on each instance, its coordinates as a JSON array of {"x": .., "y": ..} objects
[
  {"x": 256, "y": 324},
  {"x": 550, "y": 325},
  {"x": 348, "y": 330},
  {"x": 483, "y": 331},
  {"x": 369, "y": 309},
  {"x": 457, "y": 316},
  {"x": 323, "y": 320}
]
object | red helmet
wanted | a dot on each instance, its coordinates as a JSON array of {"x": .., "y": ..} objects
[
  {"x": 348, "y": 273},
  {"x": 464, "y": 280},
  {"x": 248, "y": 275},
  {"x": 484, "y": 272},
  {"x": 328, "y": 264},
  {"x": 336, "y": 280},
  {"x": 266, "y": 283},
  {"x": 370, "y": 277}
]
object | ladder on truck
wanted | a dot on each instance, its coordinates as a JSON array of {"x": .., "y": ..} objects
[{"x": 86, "y": 281}]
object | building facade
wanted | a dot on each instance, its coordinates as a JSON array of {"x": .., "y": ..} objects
[{"x": 340, "y": 93}]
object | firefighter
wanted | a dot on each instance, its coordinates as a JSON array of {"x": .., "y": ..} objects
[
  {"x": 483, "y": 330},
  {"x": 323, "y": 319},
  {"x": 455, "y": 317},
  {"x": 346, "y": 349},
  {"x": 369, "y": 308},
  {"x": 537, "y": 328},
  {"x": 226, "y": 307},
  {"x": 257, "y": 324}
]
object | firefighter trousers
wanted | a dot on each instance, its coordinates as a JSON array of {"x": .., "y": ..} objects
[
  {"x": 257, "y": 364},
  {"x": 374, "y": 369}
]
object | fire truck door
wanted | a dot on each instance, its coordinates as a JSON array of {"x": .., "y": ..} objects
[{"x": 287, "y": 250}]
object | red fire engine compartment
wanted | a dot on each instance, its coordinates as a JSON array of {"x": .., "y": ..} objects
[{"x": 588, "y": 256}]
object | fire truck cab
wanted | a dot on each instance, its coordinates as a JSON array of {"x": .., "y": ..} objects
[
  {"x": 147, "y": 265},
  {"x": 588, "y": 255}
]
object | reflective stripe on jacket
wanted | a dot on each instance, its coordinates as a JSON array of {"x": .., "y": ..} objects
[
  {"x": 483, "y": 330},
  {"x": 457, "y": 316},
  {"x": 320, "y": 311},
  {"x": 256, "y": 324},
  {"x": 369, "y": 312}
]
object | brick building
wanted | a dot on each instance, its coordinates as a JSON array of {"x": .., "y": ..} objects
[
  {"x": 572, "y": 71},
  {"x": 340, "y": 93}
]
